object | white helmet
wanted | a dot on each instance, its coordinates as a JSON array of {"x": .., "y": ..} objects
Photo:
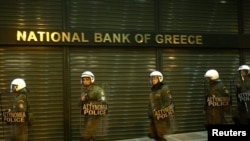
[
  {"x": 158, "y": 74},
  {"x": 244, "y": 67},
  {"x": 88, "y": 74},
  {"x": 17, "y": 84},
  {"x": 212, "y": 74}
]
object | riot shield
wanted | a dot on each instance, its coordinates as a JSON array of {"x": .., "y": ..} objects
[
  {"x": 99, "y": 110},
  {"x": 6, "y": 101}
]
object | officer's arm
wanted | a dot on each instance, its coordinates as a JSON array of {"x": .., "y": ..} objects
[
  {"x": 21, "y": 105},
  {"x": 101, "y": 96},
  {"x": 226, "y": 91},
  {"x": 167, "y": 98}
]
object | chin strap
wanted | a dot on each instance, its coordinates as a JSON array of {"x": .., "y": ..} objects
[{"x": 242, "y": 78}]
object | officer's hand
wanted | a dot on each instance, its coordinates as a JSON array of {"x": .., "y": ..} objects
[{"x": 84, "y": 97}]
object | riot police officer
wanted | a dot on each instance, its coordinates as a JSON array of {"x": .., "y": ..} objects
[
  {"x": 91, "y": 94},
  {"x": 20, "y": 104},
  {"x": 160, "y": 106},
  {"x": 243, "y": 96},
  {"x": 217, "y": 99}
]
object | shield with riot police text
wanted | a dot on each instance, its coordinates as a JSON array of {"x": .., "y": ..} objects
[
  {"x": 96, "y": 109},
  {"x": 8, "y": 116}
]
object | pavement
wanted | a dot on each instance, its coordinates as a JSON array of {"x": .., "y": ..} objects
[{"x": 192, "y": 136}]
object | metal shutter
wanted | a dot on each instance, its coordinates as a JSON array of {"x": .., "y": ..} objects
[
  {"x": 39, "y": 14},
  {"x": 194, "y": 16},
  {"x": 246, "y": 16},
  {"x": 125, "y": 74},
  {"x": 111, "y": 15},
  {"x": 246, "y": 54},
  {"x": 42, "y": 69},
  {"x": 184, "y": 71}
]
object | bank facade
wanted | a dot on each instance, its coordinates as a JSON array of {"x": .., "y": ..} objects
[{"x": 50, "y": 43}]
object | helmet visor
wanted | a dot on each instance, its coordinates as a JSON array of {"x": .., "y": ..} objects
[{"x": 14, "y": 88}]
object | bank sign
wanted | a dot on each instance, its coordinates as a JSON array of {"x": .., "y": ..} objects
[
  {"x": 110, "y": 38},
  {"x": 49, "y": 37}
]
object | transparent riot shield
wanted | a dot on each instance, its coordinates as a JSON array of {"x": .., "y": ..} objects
[
  {"x": 229, "y": 110},
  {"x": 6, "y": 101},
  {"x": 103, "y": 128},
  {"x": 172, "y": 126},
  {"x": 103, "y": 125}
]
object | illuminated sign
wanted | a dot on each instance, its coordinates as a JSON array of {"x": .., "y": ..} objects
[
  {"x": 120, "y": 38},
  {"x": 111, "y": 38}
]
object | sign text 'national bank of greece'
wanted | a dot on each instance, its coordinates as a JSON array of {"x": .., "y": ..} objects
[{"x": 116, "y": 38}]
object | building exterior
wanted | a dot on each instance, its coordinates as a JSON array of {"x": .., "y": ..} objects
[{"x": 50, "y": 43}]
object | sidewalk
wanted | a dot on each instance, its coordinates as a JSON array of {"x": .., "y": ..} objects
[{"x": 192, "y": 136}]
